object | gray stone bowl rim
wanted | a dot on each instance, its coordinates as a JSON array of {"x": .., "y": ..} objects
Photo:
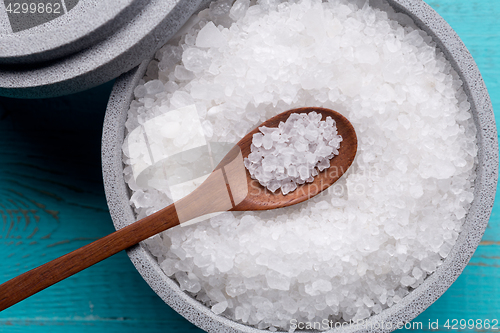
[
  {"x": 64, "y": 32},
  {"x": 410, "y": 306}
]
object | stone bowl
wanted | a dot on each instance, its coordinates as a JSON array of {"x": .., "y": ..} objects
[{"x": 417, "y": 300}]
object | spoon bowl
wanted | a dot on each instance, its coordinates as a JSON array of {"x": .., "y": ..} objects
[
  {"x": 260, "y": 199},
  {"x": 228, "y": 187}
]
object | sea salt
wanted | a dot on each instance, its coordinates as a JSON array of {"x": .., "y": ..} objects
[
  {"x": 372, "y": 237},
  {"x": 294, "y": 152}
]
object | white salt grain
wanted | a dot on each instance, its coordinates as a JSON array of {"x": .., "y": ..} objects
[
  {"x": 374, "y": 235},
  {"x": 219, "y": 307},
  {"x": 210, "y": 36}
]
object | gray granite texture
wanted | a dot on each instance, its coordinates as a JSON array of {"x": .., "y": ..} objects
[
  {"x": 154, "y": 22},
  {"x": 40, "y": 36},
  {"x": 414, "y": 303}
]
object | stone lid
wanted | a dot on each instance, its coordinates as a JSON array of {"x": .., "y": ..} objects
[
  {"x": 32, "y": 32},
  {"x": 85, "y": 44}
]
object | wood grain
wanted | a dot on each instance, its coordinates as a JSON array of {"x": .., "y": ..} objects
[
  {"x": 476, "y": 293},
  {"x": 39, "y": 278},
  {"x": 50, "y": 165}
]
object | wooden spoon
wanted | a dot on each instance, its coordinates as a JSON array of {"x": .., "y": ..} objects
[{"x": 228, "y": 188}]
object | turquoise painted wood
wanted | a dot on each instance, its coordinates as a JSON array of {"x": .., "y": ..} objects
[{"x": 52, "y": 201}]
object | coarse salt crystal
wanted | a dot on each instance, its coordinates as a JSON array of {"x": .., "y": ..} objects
[{"x": 300, "y": 133}]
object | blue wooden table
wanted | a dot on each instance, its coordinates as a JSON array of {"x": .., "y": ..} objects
[{"x": 52, "y": 201}]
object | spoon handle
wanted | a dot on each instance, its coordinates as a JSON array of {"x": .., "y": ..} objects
[
  {"x": 37, "y": 279},
  {"x": 213, "y": 195}
]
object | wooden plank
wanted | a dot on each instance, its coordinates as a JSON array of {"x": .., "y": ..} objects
[
  {"x": 476, "y": 293},
  {"x": 51, "y": 202}
]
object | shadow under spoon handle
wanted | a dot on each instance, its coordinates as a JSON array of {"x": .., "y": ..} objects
[{"x": 37, "y": 279}]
